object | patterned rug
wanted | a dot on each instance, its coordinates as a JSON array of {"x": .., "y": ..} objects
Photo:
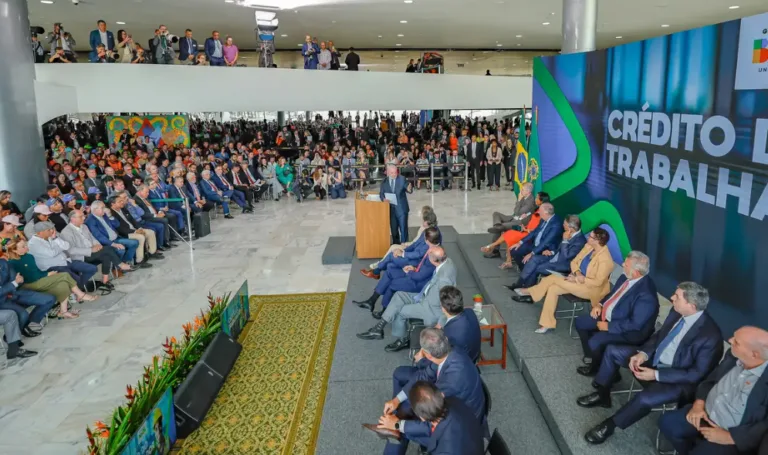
[{"x": 272, "y": 401}]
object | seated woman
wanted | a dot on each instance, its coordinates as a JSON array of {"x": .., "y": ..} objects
[
  {"x": 589, "y": 279},
  {"x": 512, "y": 236},
  {"x": 284, "y": 173},
  {"x": 319, "y": 183},
  {"x": 60, "y": 285},
  {"x": 7, "y": 205},
  {"x": 336, "y": 184},
  {"x": 422, "y": 169},
  {"x": 267, "y": 171}
]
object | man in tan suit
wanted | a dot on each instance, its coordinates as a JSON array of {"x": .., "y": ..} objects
[
  {"x": 589, "y": 279},
  {"x": 524, "y": 208}
]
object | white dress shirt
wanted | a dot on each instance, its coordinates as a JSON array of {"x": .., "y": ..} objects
[
  {"x": 617, "y": 298},
  {"x": 48, "y": 253}
]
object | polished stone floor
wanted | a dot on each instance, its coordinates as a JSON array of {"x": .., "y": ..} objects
[{"x": 85, "y": 364}]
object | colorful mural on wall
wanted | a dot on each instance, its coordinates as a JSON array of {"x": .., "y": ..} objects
[{"x": 160, "y": 129}]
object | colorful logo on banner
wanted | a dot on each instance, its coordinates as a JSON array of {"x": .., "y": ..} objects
[
  {"x": 760, "y": 52},
  {"x": 160, "y": 129},
  {"x": 158, "y": 433}
]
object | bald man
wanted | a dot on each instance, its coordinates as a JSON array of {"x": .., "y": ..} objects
[{"x": 730, "y": 414}]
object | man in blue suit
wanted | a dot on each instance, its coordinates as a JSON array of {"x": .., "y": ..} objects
[
  {"x": 627, "y": 316},
  {"x": 455, "y": 429},
  {"x": 396, "y": 188},
  {"x": 410, "y": 278},
  {"x": 187, "y": 48},
  {"x": 18, "y": 300},
  {"x": 214, "y": 51},
  {"x": 101, "y": 36},
  {"x": 212, "y": 193},
  {"x": 228, "y": 190},
  {"x": 730, "y": 414},
  {"x": 546, "y": 236},
  {"x": 104, "y": 229},
  {"x": 669, "y": 365},
  {"x": 452, "y": 372},
  {"x": 459, "y": 324},
  {"x": 558, "y": 260},
  {"x": 157, "y": 194},
  {"x": 195, "y": 194}
]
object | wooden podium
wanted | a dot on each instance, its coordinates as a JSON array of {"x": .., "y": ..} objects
[{"x": 372, "y": 232}]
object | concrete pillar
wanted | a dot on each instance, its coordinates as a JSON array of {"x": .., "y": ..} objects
[
  {"x": 22, "y": 155},
  {"x": 280, "y": 119},
  {"x": 579, "y": 25}
]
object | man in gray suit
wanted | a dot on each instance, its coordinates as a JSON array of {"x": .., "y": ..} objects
[
  {"x": 12, "y": 335},
  {"x": 525, "y": 207},
  {"x": 424, "y": 305}
]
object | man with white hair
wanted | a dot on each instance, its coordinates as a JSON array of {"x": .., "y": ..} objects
[
  {"x": 213, "y": 193},
  {"x": 195, "y": 195},
  {"x": 393, "y": 190}
]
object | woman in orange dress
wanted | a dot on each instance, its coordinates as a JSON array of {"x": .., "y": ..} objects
[{"x": 511, "y": 237}]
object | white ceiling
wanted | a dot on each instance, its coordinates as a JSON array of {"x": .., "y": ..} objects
[{"x": 432, "y": 24}]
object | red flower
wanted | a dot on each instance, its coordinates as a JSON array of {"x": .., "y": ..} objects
[{"x": 130, "y": 394}]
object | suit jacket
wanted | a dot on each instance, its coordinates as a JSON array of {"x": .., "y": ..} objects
[
  {"x": 754, "y": 424},
  {"x": 400, "y": 190},
  {"x": 597, "y": 283},
  {"x": 208, "y": 190},
  {"x": 459, "y": 378},
  {"x": 79, "y": 249},
  {"x": 696, "y": 355},
  {"x": 429, "y": 296},
  {"x": 175, "y": 193},
  {"x": 184, "y": 49},
  {"x": 98, "y": 230},
  {"x": 90, "y": 183},
  {"x": 567, "y": 252},
  {"x": 463, "y": 331},
  {"x": 634, "y": 315},
  {"x": 478, "y": 155},
  {"x": 210, "y": 48},
  {"x": 191, "y": 192},
  {"x": 219, "y": 180},
  {"x": 123, "y": 228},
  {"x": 551, "y": 235},
  {"x": 7, "y": 276},
  {"x": 147, "y": 215},
  {"x": 459, "y": 433},
  {"x": 417, "y": 249},
  {"x": 523, "y": 206},
  {"x": 95, "y": 39}
]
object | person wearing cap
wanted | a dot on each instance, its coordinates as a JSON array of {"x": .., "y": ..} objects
[
  {"x": 94, "y": 194},
  {"x": 10, "y": 229},
  {"x": 40, "y": 213},
  {"x": 104, "y": 230},
  {"x": 70, "y": 203},
  {"x": 60, "y": 285},
  {"x": 50, "y": 254},
  {"x": 57, "y": 216}
]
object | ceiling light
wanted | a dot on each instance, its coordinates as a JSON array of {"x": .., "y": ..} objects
[
  {"x": 619, "y": 37},
  {"x": 403, "y": 22},
  {"x": 407, "y": 1},
  {"x": 545, "y": 23},
  {"x": 379, "y": 36},
  {"x": 47, "y": 2},
  {"x": 120, "y": 23},
  {"x": 300, "y": 44},
  {"x": 518, "y": 36},
  {"x": 664, "y": 25},
  {"x": 474, "y": 58},
  {"x": 229, "y": 1},
  {"x": 503, "y": 68},
  {"x": 518, "y": 44},
  {"x": 400, "y": 35},
  {"x": 499, "y": 45},
  {"x": 284, "y": 36},
  {"x": 734, "y": 7},
  {"x": 398, "y": 44},
  {"x": 333, "y": 22}
]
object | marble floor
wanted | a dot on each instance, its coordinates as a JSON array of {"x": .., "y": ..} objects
[{"x": 85, "y": 364}]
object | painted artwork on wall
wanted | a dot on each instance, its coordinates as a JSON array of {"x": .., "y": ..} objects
[{"x": 160, "y": 129}]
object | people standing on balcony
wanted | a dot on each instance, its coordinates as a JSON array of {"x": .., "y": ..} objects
[
  {"x": 59, "y": 38},
  {"x": 324, "y": 57},
  {"x": 163, "y": 44},
  {"x": 187, "y": 48},
  {"x": 309, "y": 51},
  {"x": 352, "y": 60},
  {"x": 101, "y": 36},
  {"x": 125, "y": 47},
  {"x": 231, "y": 52},
  {"x": 214, "y": 51},
  {"x": 335, "y": 56}
]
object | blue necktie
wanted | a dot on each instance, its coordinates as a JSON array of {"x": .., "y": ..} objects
[{"x": 667, "y": 340}]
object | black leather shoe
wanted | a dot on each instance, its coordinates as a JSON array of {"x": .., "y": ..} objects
[
  {"x": 157, "y": 256},
  {"x": 161, "y": 249},
  {"x": 523, "y": 299},
  {"x": 365, "y": 304},
  {"x": 374, "y": 333},
  {"x": 599, "y": 433},
  {"x": 495, "y": 229},
  {"x": 229, "y": 217},
  {"x": 492, "y": 254},
  {"x": 517, "y": 285},
  {"x": 144, "y": 265},
  {"x": 109, "y": 286},
  {"x": 29, "y": 333},
  {"x": 377, "y": 314},
  {"x": 22, "y": 354},
  {"x": 398, "y": 345},
  {"x": 593, "y": 400},
  {"x": 586, "y": 370}
]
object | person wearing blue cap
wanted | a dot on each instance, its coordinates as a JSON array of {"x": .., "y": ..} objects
[
  {"x": 57, "y": 217},
  {"x": 94, "y": 194}
]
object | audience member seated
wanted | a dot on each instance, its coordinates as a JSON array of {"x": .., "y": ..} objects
[
  {"x": 424, "y": 304},
  {"x": 7, "y": 205},
  {"x": 452, "y": 372},
  {"x": 250, "y": 182},
  {"x": 336, "y": 184},
  {"x": 524, "y": 209},
  {"x": 103, "y": 229},
  {"x": 57, "y": 216},
  {"x": 195, "y": 195},
  {"x": 512, "y": 237},
  {"x": 177, "y": 219},
  {"x": 558, "y": 260},
  {"x": 49, "y": 252},
  {"x": 669, "y": 365},
  {"x": 10, "y": 231},
  {"x": 425, "y": 223},
  {"x": 12, "y": 336},
  {"x": 145, "y": 221},
  {"x": 126, "y": 229},
  {"x": 453, "y": 427},
  {"x": 228, "y": 190},
  {"x": 154, "y": 216},
  {"x": 730, "y": 413},
  {"x": 625, "y": 316},
  {"x": 459, "y": 324},
  {"x": 40, "y": 212},
  {"x": 60, "y": 285},
  {"x": 546, "y": 236},
  {"x": 83, "y": 246},
  {"x": 18, "y": 300},
  {"x": 589, "y": 279},
  {"x": 212, "y": 193},
  {"x": 411, "y": 254},
  {"x": 408, "y": 278}
]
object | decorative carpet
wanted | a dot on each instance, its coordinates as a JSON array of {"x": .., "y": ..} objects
[{"x": 272, "y": 401}]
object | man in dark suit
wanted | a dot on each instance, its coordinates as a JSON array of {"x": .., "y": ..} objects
[
  {"x": 187, "y": 48},
  {"x": 627, "y": 315},
  {"x": 195, "y": 195},
  {"x": 524, "y": 208},
  {"x": 246, "y": 182},
  {"x": 413, "y": 253},
  {"x": 214, "y": 50},
  {"x": 730, "y": 414},
  {"x": 212, "y": 193},
  {"x": 475, "y": 156},
  {"x": 558, "y": 260},
  {"x": 101, "y": 36},
  {"x": 454, "y": 428},
  {"x": 153, "y": 215},
  {"x": 396, "y": 187},
  {"x": 459, "y": 324},
  {"x": 156, "y": 195},
  {"x": 668, "y": 366},
  {"x": 228, "y": 190},
  {"x": 452, "y": 372},
  {"x": 18, "y": 300},
  {"x": 546, "y": 236}
]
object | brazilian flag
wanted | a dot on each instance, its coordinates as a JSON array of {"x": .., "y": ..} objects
[{"x": 527, "y": 163}]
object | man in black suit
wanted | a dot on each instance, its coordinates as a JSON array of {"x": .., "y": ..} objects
[
  {"x": 668, "y": 366},
  {"x": 475, "y": 156},
  {"x": 730, "y": 414},
  {"x": 187, "y": 48},
  {"x": 126, "y": 229},
  {"x": 153, "y": 215}
]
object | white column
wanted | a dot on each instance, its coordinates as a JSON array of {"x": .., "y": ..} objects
[{"x": 579, "y": 25}]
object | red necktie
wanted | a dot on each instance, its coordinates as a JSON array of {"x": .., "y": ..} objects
[
  {"x": 614, "y": 298},
  {"x": 422, "y": 261}
]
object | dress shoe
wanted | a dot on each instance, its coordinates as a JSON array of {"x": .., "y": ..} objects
[
  {"x": 107, "y": 285},
  {"x": 594, "y": 399},
  {"x": 398, "y": 345},
  {"x": 369, "y": 274},
  {"x": 495, "y": 229},
  {"x": 157, "y": 256},
  {"x": 377, "y": 314},
  {"x": 161, "y": 249},
  {"x": 229, "y": 217},
  {"x": 599, "y": 433},
  {"x": 364, "y": 304},
  {"x": 374, "y": 333},
  {"x": 523, "y": 299},
  {"x": 144, "y": 265},
  {"x": 517, "y": 285},
  {"x": 586, "y": 370},
  {"x": 383, "y": 432},
  {"x": 22, "y": 354},
  {"x": 492, "y": 254},
  {"x": 27, "y": 332}
]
